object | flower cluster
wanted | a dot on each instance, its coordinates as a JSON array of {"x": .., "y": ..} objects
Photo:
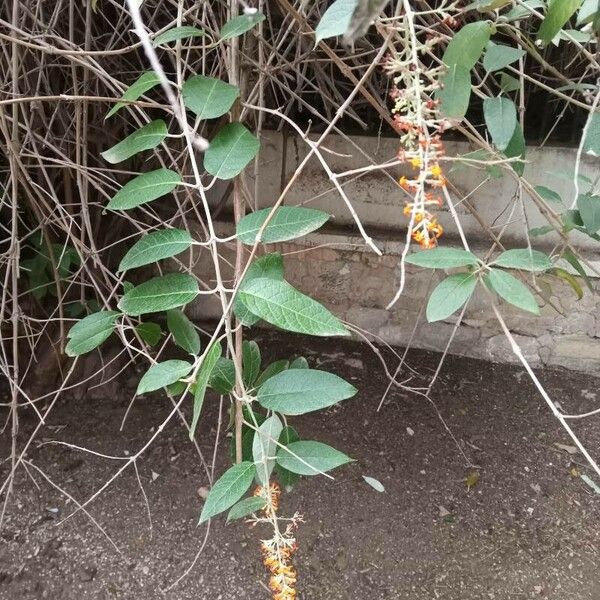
[{"x": 278, "y": 551}]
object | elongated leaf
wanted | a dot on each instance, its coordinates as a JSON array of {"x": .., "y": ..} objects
[
  {"x": 570, "y": 279},
  {"x": 144, "y": 188},
  {"x": 442, "y": 258},
  {"x": 450, "y": 295},
  {"x": 589, "y": 209},
  {"x": 149, "y": 332},
  {"x": 508, "y": 83},
  {"x": 591, "y": 144},
  {"x": 570, "y": 257},
  {"x": 160, "y": 293},
  {"x": 177, "y": 33},
  {"x": 143, "y": 84},
  {"x": 207, "y": 97},
  {"x": 183, "y": 331},
  {"x": 548, "y": 194},
  {"x": 455, "y": 92},
  {"x": 336, "y": 19},
  {"x": 90, "y": 332},
  {"x": 320, "y": 457},
  {"x": 264, "y": 447},
  {"x": 162, "y": 374},
  {"x": 246, "y": 507},
  {"x": 250, "y": 362},
  {"x": 299, "y": 363},
  {"x": 275, "y": 367},
  {"x": 512, "y": 290},
  {"x": 501, "y": 119},
  {"x": 222, "y": 378},
  {"x": 230, "y": 487},
  {"x": 156, "y": 246},
  {"x": 498, "y": 56},
  {"x": 298, "y": 391},
  {"x": 466, "y": 46},
  {"x": 559, "y": 12},
  {"x": 288, "y": 223},
  {"x": 523, "y": 258},
  {"x": 516, "y": 148},
  {"x": 525, "y": 10},
  {"x": 240, "y": 25},
  {"x": 206, "y": 368},
  {"x": 280, "y": 304},
  {"x": 230, "y": 151},
  {"x": 147, "y": 137},
  {"x": 288, "y": 436},
  {"x": 374, "y": 483},
  {"x": 269, "y": 265}
]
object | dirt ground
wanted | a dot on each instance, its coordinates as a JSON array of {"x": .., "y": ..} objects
[{"x": 527, "y": 529}]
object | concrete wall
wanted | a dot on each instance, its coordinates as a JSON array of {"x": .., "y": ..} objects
[{"x": 357, "y": 285}]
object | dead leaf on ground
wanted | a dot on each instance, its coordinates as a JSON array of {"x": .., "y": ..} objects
[
  {"x": 472, "y": 479},
  {"x": 567, "y": 448}
]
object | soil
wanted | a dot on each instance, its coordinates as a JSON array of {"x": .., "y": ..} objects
[{"x": 527, "y": 528}]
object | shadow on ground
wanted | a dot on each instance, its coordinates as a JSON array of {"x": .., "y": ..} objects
[{"x": 527, "y": 529}]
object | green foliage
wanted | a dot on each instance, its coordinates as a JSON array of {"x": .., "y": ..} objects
[
  {"x": 559, "y": 12},
  {"x": 589, "y": 210},
  {"x": 498, "y": 56},
  {"x": 310, "y": 458},
  {"x": 264, "y": 447},
  {"x": 450, "y": 295},
  {"x": 442, "y": 258},
  {"x": 240, "y": 25},
  {"x": 183, "y": 331},
  {"x": 455, "y": 93},
  {"x": 207, "y": 97},
  {"x": 512, "y": 290},
  {"x": 336, "y": 19},
  {"x": 145, "y": 188},
  {"x": 501, "y": 119},
  {"x": 287, "y": 223},
  {"x": 178, "y": 33},
  {"x": 90, "y": 332},
  {"x": 156, "y": 246},
  {"x": 246, "y": 507},
  {"x": 288, "y": 436},
  {"x": 222, "y": 377},
  {"x": 298, "y": 391},
  {"x": 280, "y": 304},
  {"x": 144, "y": 83},
  {"x": 547, "y": 194},
  {"x": 209, "y": 362},
  {"x": 516, "y": 149},
  {"x": 251, "y": 361},
  {"x": 162, "y": 374},
  {"x": 231, "y": 486},
  {"x": 230, "y": 151},
  {"x": 523, "y": 258},
  {"x": 466, "y": 46},
  {"x": 160, "y": 293},
  {"x": 275, "y": 367},
  {"x": 149, "y": 332},
  {"x": 145, "y": 138}
]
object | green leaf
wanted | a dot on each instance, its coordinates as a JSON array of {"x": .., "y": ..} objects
[
  {"x": 336, "y": 19},
  {"x": 498, "y": 56},
  {"x": 570, "y": 279},
  {"x": 246, "y": 507},
  {"x": 299, "y": 363},
  {"x": 591, "y": 145},
  {"x": 207, "y": 97},
  {"x": 230, "y": 487},
  {"x": 163, "y": 374},
  {"x": 455, "y": 92},
  {"x": 501, "y": 119},
  {"x": 547, "y": 194},
  {"x": 222, "y": 378},
  {"x": 280, "y": 304},
  {"x": 450, "y": 295},
  {"x": 177, "y": 33},
  {"x": 288, "y": 436},
  {"x": 320, "y": 457},
  {"x": 145, "y": 138},
  {"x": 184, "y": 333},
  {"x": 275, "y": 367},
  {"x": 508, "y": 83},
  {"x": 570, "y": 257},
  {"x": 299, "y": 391},
  {"x": 466, "y": 46},
  {"x": 516, "y": 148},
  {"x": 240, "y": 25},
  {"x": 269, "y": 265},
  {"x": 288, "y": 223},
  {"x": 209, "y": 362},
  {"x": 90, "y": 332},
  {"x": 264, "y": 447},
  {"x": 250, "y": 362},
  {"x": 588, "y": 11},
  {"x": 144, "y": 83},
  {"x": 442, "y": 258},
  {"x": 512, "y": 290},
  {"x": 145, "y": 188},
  {"x": 589, "y": 209},
  {"x": 230, "y": 151},
  {"x": 160, "y": 293},
  {"x": 559, "y": 12},
  {"x": 524, "y": 10},
  {"x": 538, "y": 231},
  {"x": 149, "y": 332},
  {"x": 374, "y": 483},
  {"x": 523, "y": 258},
  {"x": 156, "y": 246}
]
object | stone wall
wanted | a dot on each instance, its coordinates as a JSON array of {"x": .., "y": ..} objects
[{"x": 337, "y": 269}]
